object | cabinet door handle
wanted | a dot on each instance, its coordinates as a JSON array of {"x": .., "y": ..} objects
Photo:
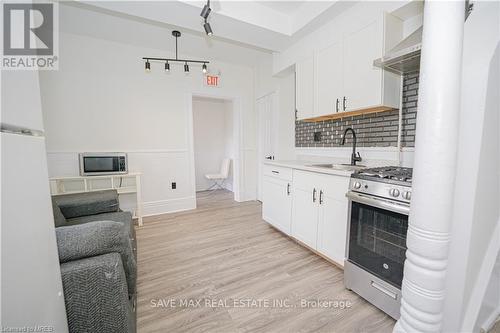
[
  {"x": 343, "y": 103},
  {"x": 337, "y": 105},
  {"x": 314, "y": 195},
  {"x": 276, "y": 172},
  {"x": 288, "y": 189},
  {"x": 321, "y": 197}
]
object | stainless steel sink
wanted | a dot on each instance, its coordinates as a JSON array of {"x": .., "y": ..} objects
[{"x": 343, "y": 166}]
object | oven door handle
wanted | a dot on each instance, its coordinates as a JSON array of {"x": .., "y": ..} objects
[{"x": 379, "y": 203}]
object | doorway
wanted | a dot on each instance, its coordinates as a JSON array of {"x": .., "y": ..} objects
[
  {"x": 213, "y": 142},
  {"x": 268, "y": 124}
]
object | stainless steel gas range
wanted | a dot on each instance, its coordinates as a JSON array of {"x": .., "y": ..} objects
[{"x": 379, "y": 205}]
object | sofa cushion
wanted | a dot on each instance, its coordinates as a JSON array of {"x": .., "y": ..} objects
[
  {"x": 59, "y": 219},
  {"x": 96, "y": 295},
  {"x": 89, "y": 203},
  {"x": 96, "y": 238},
  {"x": 123, "y": 217}
]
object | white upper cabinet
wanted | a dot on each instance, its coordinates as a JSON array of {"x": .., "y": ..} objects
[
  {"x": 328, "y": 87},
  {"x": 344, "y": 76},
  {"x": 363, "y": 81},
  {"x": 304, "y": 80}
]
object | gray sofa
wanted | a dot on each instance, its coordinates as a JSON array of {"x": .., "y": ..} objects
[{"x": 97, "y": 252}]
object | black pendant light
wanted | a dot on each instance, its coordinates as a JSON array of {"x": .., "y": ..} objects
[
  {"x": 204, "y": 69},
  {"x": 167, "y": 61}
]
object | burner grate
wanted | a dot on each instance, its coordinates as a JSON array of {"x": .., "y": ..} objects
[{"x": 392, "y": 173}]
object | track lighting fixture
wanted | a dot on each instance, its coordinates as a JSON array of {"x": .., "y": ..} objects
[
  {"x": 167, "y": 61},
  {"x": 206, "y": 10},
  {"x": 208, "y": 28}
]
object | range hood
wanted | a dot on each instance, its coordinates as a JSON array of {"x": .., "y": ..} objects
[{"x": 405, "y": 56}]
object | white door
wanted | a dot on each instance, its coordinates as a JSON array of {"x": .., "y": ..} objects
[
  {"x": 328, "y": 80},
  {"x": 305, "y": 215},
  {"x": 277, "y": 203},
  {"x": 332, "y": 227},
  {"x": 362, "y": 81},
  {"x": 267, "y": 134},
  {"x": 304, "y": 91}
]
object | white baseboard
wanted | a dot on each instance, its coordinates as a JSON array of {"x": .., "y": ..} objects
[
  {"x": 247, "y": 196},
  {"x": 168, "y": 206}
]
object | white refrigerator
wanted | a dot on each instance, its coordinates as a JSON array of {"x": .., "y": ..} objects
[{"x": 31, "y": 287}]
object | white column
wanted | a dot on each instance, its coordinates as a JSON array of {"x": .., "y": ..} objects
[{"x": 434, "y": 168}]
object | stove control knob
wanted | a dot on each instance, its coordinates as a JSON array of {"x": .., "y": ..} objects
[
  {"x": 356, "y": 185},
  {"x": 394, "y": 192},
  {"x": 406, "y": 195}
]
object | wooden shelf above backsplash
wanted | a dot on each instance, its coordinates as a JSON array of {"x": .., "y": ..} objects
[{"x": 339, "y": 115}]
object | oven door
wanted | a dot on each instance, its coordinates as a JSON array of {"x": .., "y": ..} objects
[{"x": 377, "y": 236}]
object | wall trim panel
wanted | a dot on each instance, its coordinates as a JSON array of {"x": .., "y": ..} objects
[{"x": 168, "y": 206}]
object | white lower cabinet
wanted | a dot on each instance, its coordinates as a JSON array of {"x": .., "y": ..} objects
[
  {"x": 277, "y": 199},
  {"x": 305, "y": 216},
  {"x": 319, "y": 212},
  {"x": 311, "y": 207},
  {"x": 332, "y": 228}
]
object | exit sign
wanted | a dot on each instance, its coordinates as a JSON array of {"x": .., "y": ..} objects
[{"x": 212, "y": 80}]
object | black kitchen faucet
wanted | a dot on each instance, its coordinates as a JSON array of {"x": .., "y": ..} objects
[{"x": 354, "y": 158}]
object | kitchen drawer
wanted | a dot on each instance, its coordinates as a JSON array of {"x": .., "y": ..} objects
[{"x": 278, "y": 172}]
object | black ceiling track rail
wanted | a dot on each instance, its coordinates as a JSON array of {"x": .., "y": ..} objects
[{"x": 176, "y": 34}]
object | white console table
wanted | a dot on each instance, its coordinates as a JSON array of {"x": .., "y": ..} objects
[{"x": 123, "y": 184}]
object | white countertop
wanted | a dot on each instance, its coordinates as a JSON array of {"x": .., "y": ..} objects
[{"x": 307, "y": 166}]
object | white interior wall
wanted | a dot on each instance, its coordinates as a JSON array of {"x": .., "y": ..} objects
[
  {"x": 101, "y": 99},
  {"x": 213, "y": 139}
]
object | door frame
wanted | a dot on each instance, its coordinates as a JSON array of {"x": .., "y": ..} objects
[{"x": 238, "y": 166}]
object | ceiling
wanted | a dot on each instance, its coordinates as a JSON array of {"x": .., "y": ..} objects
[
  {"x": 269, "y": 26},
  {"x": 83, "y": 20},
  {"x": 286, "y": 7}
]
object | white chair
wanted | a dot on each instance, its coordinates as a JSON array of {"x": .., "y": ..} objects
[{"x": 219, "y": 178}]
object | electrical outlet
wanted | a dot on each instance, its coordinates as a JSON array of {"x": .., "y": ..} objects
[
  {"x": 317, "y": 136},
  {"x": 174, "y": 185}
]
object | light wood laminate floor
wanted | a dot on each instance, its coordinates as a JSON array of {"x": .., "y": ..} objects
[{"x": 238, "y": 274}]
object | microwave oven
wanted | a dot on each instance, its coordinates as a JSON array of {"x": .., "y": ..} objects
[{"x": 96, "y": 164}]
